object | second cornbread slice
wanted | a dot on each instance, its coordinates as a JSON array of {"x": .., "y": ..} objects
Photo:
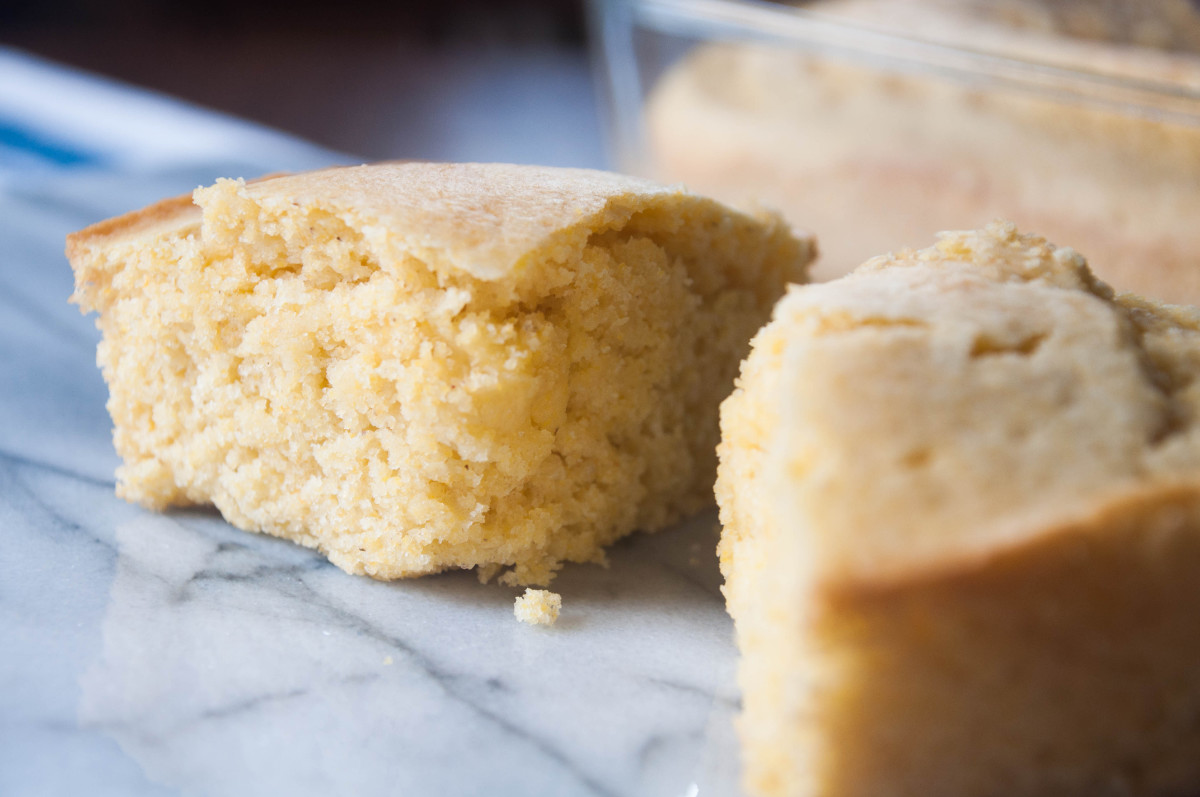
[{"x": 960, "y": 490}]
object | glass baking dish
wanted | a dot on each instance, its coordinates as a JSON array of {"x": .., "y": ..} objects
[{"x": 877, "y": 123}]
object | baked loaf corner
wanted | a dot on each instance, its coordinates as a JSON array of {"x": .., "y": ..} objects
[
  {"x": 960, "y": 490},
  {"x": 416, "y": 367}
]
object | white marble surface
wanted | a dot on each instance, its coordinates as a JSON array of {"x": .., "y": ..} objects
[{"x": 146, "y": 654}]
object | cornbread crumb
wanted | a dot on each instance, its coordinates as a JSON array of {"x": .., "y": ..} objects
[
  {"x": 417, "y": 367},
  {"x": 538, "y": 607},
  {"x": 961, "y": 496}
]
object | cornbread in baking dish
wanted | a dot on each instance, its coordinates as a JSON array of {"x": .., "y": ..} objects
[
  {"x": 1157, "y": 24},
  {"x": 917, "y": 150},
  {"x": 960, "y": 490},
  {"x": 416, "y": 367}
]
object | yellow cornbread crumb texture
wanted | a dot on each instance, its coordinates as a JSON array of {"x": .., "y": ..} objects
[
  {"x": 318, "y": 377},
  {"x": 538, "y": 607},
  {"x": 961, "y": 497}
]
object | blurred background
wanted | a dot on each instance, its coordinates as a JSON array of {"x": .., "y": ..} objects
[{"x": 448, "y": 79}]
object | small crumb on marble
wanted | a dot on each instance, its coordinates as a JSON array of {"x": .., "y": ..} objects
[
  {"x": 387, "y": 660},
  {"x": 538, "y": 607}
]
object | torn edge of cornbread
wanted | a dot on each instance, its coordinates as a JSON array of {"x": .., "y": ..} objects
[
  {"x": 961, "y": 497},
  {"x": 418, "y": 366}
]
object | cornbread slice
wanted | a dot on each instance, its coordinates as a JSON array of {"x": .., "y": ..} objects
[
  {"x": 416, "y": 367},
  {"x": 960, "y": 490}
]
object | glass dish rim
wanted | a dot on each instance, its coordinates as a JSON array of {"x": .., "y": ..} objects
[{"x": 763, "y": 22}]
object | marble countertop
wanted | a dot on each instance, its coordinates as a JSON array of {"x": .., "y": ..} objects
[{"x": 148, "y": 654}]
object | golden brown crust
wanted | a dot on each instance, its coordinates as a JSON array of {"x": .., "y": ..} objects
[
  {"x": 161, "y": 215},
  {"x": 484, "y": 219},
  {"x": 1069, "y": 664},
  {"x": 964, "y": 567}
]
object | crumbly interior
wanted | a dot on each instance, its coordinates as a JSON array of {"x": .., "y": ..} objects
[
  {"x": 538, "y": 607},
  {"x": 961, "y": 497},
  {"x": 407, "y": 417}
]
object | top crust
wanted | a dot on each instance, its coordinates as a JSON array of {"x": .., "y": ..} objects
[
  {"x": 484, "y": 219},
  {"x": 942, "y": 407},
  {"x": 165, "y": 217},
  {"x": 162, "y": 218}
]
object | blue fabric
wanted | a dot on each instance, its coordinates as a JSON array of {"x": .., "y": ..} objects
[
  {"x": 22, "y": 146},
  {"x": 57, "y": 119}
]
